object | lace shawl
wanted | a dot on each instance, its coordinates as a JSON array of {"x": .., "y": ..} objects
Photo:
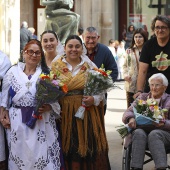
[{"x": 24, "y": 88}]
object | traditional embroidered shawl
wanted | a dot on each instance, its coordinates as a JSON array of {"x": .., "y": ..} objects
[{"x": 26, "y": 85}]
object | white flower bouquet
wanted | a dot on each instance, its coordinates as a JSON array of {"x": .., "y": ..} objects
[{"x": 98, "y": 81}]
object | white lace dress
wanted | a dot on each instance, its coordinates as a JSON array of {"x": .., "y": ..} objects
[{"x": 29, "y": 149}]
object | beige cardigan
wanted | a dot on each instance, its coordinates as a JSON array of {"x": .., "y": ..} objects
[{"x": 130, "y": 68}]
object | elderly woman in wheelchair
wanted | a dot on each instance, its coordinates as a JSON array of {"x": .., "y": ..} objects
[{"x": 155, "y": 136}]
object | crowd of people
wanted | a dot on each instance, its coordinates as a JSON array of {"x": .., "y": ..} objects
[
  {"x": 61, "y": 141},
  {"x": 118, "y": 51},
  {"x": 62, "y": 144}
]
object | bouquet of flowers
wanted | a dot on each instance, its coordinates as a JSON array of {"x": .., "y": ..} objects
[
  {"x": 49, "y": 90},
  {"x": 146, "y": 112},
  {"x": 98, "y": 81}
]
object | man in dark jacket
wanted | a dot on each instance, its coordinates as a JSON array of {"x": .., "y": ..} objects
[
  {"x": 25, "y": 35},
  {"x": 99, "y": 53}
]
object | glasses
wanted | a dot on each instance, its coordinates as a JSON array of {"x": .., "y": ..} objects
[
  {"x": 163, "y": 28},
  {"x": 140, "y": 37},
  {"x": 155, "y": 85},
  {"x": 31, "y": 52}
]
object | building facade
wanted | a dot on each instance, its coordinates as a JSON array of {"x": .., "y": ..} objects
[{"x": 110, "y": 17}]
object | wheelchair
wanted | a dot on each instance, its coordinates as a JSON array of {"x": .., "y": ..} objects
[{"x": 126, "y": 159}]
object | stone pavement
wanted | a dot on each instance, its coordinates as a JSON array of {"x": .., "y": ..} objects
[{"x": 116, "y": 105}]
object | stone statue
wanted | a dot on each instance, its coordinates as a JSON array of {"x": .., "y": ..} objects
[{"x": 59, "y": 18}]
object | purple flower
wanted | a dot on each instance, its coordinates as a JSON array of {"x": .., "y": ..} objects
[
  {"x": 151, "y": 108},
  {"x": 55, "y": 82}
]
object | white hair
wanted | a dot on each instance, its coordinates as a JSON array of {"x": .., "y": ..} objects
[
  {"x": 31, "y": 29},
  {"x": 159, "y": 76},
  {"x": 24, "y": 24}
]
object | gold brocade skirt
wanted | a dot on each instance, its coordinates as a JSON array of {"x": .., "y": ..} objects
[{"x": 85, "y": 137}]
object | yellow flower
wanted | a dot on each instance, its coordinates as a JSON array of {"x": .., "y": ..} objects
[
  {"x": 42, "y": 75},
  {"x": 156, "y": 108},
  {"x": 140, "y": 102}
]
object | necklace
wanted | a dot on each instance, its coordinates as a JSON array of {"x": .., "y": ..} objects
[{"x": 139, "y": 50}]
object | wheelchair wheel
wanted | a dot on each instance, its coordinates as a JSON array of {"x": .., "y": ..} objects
[{"x": 126, "y": 158}]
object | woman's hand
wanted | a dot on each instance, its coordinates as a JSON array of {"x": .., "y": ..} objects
[
  {"x": 88, "y": 100},
  {"x": 45, "y": 108},
  {"x": 136, "y": 95},
  {"x": 160, "y": 124},
  {"x": 4, "y": 119},
  {"x": 128, "y": 79},
  {"x": 132, "y": 123}
]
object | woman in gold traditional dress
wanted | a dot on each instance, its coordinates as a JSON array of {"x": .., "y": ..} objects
[{"x": 84, "y": 141}]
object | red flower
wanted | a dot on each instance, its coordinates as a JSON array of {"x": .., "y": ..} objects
[
  {"x": 55, "y": 77},
  {"x": 65, "y": 70},
  {"x": 102, "y": 72},
  {"x": 45, "y": 77},
  {"x": 83, "y": 68},
  {"x": 64, "y": 88}
]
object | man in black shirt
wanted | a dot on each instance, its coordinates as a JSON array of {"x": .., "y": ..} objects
[{"x": 155, "y": 56}]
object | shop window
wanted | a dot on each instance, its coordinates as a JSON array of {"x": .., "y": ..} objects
[{"x": 141, "y": 12}]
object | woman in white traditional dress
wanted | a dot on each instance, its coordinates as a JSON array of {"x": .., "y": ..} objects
[
  {"x": 4, "y": 66},
  {"x": 30, "y": 149}
]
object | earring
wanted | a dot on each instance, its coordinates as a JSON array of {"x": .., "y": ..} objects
[
  {"x": 23, "y": 59},
  {"x": 38, "y": 64}
]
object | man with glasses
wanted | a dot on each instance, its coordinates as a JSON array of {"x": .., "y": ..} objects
[
  {"x": 99, "y": 53},
  {"x": 155, "y": 56}
]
